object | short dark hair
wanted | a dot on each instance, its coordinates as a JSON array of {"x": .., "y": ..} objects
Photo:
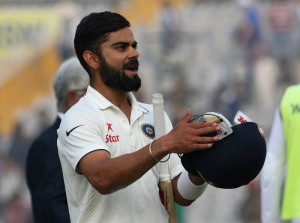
[{"x": 94, "y": 29}]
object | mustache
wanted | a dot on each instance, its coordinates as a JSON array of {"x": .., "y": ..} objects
[{"x": 131, "y": 63}]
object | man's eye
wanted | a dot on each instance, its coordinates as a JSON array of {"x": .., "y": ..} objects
[{"x": 121, "y": 48}]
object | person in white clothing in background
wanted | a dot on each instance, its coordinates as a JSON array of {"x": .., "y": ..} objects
[{"x": 280, "y": 179}]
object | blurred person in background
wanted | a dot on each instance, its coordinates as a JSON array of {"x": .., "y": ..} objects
[
  {"x": 267, "y": 89},
  {"x": 248, "y": 37},
  {"x": 282, "y": 21},
  {"x": 22, "y": 137},
  {"x": 13, "y": 203},
  {"x": 171, "y": 26},
  {"x": 16, "y": 210},
  {"x": 43, "y": 170},
  {"x": 280, "y": 180},
  {"x": 249, "y": 33}
]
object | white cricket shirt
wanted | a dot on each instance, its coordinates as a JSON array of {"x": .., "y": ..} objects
[
  {"x": 273, "y": 174},
  {"x": 94, "y": 123}
]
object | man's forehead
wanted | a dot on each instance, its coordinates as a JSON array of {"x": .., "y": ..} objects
[{"x": 121, "y": 35}]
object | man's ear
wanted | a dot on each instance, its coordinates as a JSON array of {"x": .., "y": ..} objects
[{"x": 91, "y": 59}]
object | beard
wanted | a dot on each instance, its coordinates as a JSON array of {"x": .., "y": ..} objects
[{"x": 117, "y": 79}]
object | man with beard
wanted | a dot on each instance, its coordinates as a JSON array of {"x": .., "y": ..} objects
[{"x": 106, "y": 148}]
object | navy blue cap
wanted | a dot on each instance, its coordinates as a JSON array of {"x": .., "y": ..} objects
[{"x": 233, "y": 161}]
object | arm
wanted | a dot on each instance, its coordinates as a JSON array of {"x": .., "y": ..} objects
[
  {"x": 190, "y": 188},
  {"x": 273, "y": 174},
  {"x": 108, "y": 174}
]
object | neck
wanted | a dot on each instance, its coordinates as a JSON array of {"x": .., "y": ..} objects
[
  {"x": 123, "y": 103},
  {"x": 119, "y": 98}
]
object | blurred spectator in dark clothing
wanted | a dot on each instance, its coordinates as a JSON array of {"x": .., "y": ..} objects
[
  {"x": 250, "y": 31},
  {"x": 248, "y": 37},
  {"x": 170, "y": 27},
  {"x": 21, "y": 139},
  {"x": 43, "y": 170}
]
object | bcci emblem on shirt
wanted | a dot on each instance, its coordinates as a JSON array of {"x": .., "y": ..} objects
[{"x": 148, "y": 130}]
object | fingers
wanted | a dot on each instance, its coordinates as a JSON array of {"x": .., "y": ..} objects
[
  {"x": 206, "y": 129},
  {"x": 198, "y": 143},
  {"x": 187, "y": 116},
  {"x": 204, "y": 140},
  {"x": 190, "y": 144},
  {"x": 187, "y": 137},
  {"x": 202, "y": 146}
]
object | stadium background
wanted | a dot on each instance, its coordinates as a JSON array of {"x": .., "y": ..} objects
[{"x": 206, "y": 68}]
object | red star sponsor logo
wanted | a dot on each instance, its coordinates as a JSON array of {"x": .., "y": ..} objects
[
  {"x": 109, "y": 128},
  {"x": 110, "y": 137}
]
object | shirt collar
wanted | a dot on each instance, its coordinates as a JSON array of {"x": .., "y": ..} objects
[
  {"x": 60, "y": 115},
  {"x": 98, "y": 98},
  {"x": 103, "y": 103}
]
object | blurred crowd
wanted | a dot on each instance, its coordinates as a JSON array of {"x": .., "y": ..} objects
[{"x": 221, "y": 57}]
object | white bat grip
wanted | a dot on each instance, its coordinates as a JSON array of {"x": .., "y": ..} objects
[
  {"x": 160, "y": 130},
  {"x": 159, "y": 116},
  {"x": 159, "y": 125}
]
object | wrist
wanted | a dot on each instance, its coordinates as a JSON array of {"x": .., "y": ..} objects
[
  {"x": 158, "y": 151},
  {"x": 188, "y": 189},
  {"x": 167, "y": 143}
]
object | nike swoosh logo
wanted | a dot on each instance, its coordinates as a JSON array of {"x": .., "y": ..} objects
[{"x": 69, "y": 132}]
